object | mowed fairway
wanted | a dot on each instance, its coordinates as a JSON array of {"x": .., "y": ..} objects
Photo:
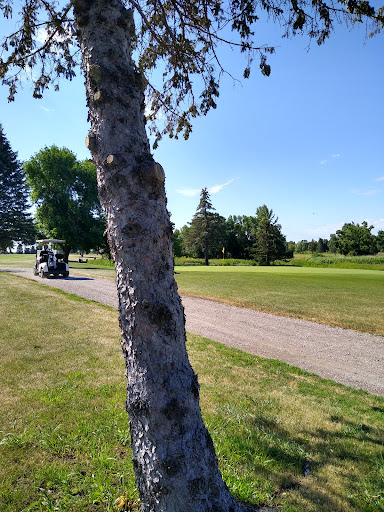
[
  {"x": 283, "y": 437},
  {"x": 352, "y": 299}
]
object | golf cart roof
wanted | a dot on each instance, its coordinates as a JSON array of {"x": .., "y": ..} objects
[{"x": 50, "y": 241}]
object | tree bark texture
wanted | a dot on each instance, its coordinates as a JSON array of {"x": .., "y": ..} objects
[{"x": 173, "y": 455}]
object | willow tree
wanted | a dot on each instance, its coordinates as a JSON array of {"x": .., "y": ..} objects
[{"x": 173, "y": 455}]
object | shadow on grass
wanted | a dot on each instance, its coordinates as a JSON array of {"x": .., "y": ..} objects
[{"x": 315, "y": 470}]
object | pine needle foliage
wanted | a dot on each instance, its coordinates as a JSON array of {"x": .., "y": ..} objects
[
  {"x": 16, "y": 224},
  {"x": 207, "y": 230}
]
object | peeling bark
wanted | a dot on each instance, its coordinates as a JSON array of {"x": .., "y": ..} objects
[{"x": 173, "y": 454}]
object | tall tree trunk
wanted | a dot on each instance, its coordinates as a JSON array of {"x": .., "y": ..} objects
[
  {"x": 67, "y": 250},
  {"x": 206, "y": 260},
  {"x": 173, "y": 455}
]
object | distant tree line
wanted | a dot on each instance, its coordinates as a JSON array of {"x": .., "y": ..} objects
[
  {"x": 240, "y": 236},
  {"x": 260, "y": 238},
  {"x": 64, "y": 194},
  {"x": 352, "y": 240}
]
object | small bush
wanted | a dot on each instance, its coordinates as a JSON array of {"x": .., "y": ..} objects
[
  {"x": 339, "y": 261},
  {"x": 214, "y": 262},
  {"x": 101, "y": 262}
]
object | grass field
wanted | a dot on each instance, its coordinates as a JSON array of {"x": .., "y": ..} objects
[
  {"x": 348, "y": 298},
  {"x": 351, "y": 299},
  {"x": 64, "y": 437}
]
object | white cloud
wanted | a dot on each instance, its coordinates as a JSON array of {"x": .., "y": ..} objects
[
  {"x": 323, "y": 231},
  {"x": 381, "y": 178},
  {"x": 358, "y": 192},
  {"x": 334, "y": 155},
  {"x": 47, "y": 109},
  {"x": 190, "y": 192},
  {"x": 42, "y": 36},
  {"x": 216, "y": 188},
  {"x": 376, "y": 223}
]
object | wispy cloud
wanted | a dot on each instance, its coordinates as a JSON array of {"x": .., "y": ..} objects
[
  {"x": 378, "y": 223},
  {"x": 358, "y": 192},
  {"x": 381, "y": 178},
  {"x": 216, "y": 188},
  {"x": 334, "y": 156},
  {"x": 47, "y": 109},
  {"x": 323, "y": 231},
  {"x": 192, "y": 192}
]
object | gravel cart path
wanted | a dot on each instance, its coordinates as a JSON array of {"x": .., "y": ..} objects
[{"x": 345, "y": 356}]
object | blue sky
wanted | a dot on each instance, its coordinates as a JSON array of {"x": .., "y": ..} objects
[{"x": 308, "y": 141}]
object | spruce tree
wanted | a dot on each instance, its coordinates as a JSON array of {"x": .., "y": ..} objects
[
  {"x": 16, "y": 224},
  {"x": 207, "y": 231},
  {"x": 270, "y": 243}
]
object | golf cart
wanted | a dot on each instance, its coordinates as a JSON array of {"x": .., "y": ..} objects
[{"x": 47, "y": 260}]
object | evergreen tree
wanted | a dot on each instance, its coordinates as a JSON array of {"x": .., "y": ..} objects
[
  {"x": 16, "y": 225},
  {"x": 270, "y": 243},
  {"x": 206, "y": 235}
]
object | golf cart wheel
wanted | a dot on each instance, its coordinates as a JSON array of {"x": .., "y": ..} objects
[
  {"x": 42, "y": 274},
  {"x": 65, "y": 274}
]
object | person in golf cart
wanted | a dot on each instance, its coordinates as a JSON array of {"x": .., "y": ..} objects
[
  {"x": 47, "y": 260},
  {"x": 43, "y": 257}
]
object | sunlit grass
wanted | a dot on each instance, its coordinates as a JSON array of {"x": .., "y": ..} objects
[
  {"x": 348, "y": 298},
  {"x": 351, "y": 299},
  {"x": 17, "y": 260},
  {"x": 64, "y": 440},
  {"x": 64, "y": 429},
  {"x": 327, "y": 260}
]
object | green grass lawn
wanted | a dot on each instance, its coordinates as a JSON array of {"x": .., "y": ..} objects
[
  {"x": 351, "y": 299},
  {"x": 93, "y": 268},
  {"x": 17, "y": 260},
  {"x": 348, "y": 298},
  {"x": 64, "y": 436}
]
